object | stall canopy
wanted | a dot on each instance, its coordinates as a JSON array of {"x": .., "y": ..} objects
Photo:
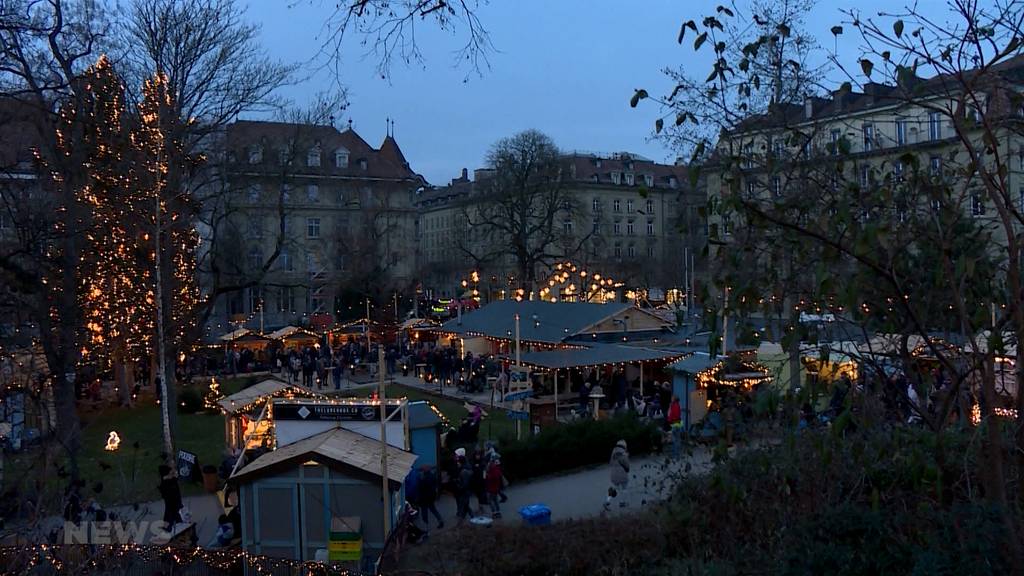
[
  {"x": 420, "y": 324},
  {"x": 339, "y": 448},
  {"x": 244, "y": 336},
  {"x": 556, "y": 322},
  {"x": 267, "y": 389},
  {"x": 597, "y": 355},
  {"x": 294, "y": 334}
]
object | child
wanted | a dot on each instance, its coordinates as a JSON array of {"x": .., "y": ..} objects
[{"x": 225, "y": 531}]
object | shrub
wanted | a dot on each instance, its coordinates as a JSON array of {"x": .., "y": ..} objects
[
  {"x": 190, "y": 401},
  {"x": 582, "y": 443}
]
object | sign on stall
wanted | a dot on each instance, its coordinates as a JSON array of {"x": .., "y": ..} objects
[{"x": 360, "y": 412}]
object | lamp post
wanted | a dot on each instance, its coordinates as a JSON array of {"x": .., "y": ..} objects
[{"x": 383, "y": 444}]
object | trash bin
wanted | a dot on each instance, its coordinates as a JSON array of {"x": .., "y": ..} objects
[
  {"x": 210, "y": 480},
  {"x": 535, "y": 515}
]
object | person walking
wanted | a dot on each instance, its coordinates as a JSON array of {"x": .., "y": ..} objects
[
  {"x": 478, "y": 485},
  {"x": 427, "y": 496},
  {"x": 675, "y": 425},
  {"x": 463, "y": 485},
  {"x": 493, "y": 480},
  {"x": 170, "y": 492},
  {"x": 619, "y": 469}
]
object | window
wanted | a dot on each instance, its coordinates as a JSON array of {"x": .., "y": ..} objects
[
  {"x": 869, "y": 137},
  {"x": 974, "y": 113},
  {"x": 672, "y": 182},
  {"x": 650, "y": 226},
  {"x": 313, "y": 156},
  {"x": 629, "y": 206},
  {"x": 255, "y": 154},
  {"x": 311, "y": 264},
  {"x": 597, "y": 226},
  {"x": 617, "y": 228},
  {"x": 286, "y": 225},
  {"x": 286, "y": 300},
  {"x": 631, "y": 251},
  {"x": 629, "y": 179},
  {"x": 597, "y": 162},
  {"x": 312, "y": 227},
  {"x": 977, "y": 205},
  {"x": 776, "y": 186},
  {"x": 255, "y": 299},
  {"x": 778, "y": 148},
  {"x": 616, "y": 177},
  {"x": 286, "y": 260},
  {"x": 284, "y": 155},
  {"x": 595, "y": 204},
  {"x": 254, "y": 193},
  {"x": 935, "y": 165},
  {"x": 617, "y": 250},
  {"x": 313, "y": 193},
  {"x": 750, "y": 187},
  {"x": 901, "y": 132},
  {"x": 567, "y": 226},
  {"x": 748, "y": 155},
  {"x": 650, "y": 251},
  {"x": 726, "y": 225},
  {"x": 897, "y": 172},
  {"x": 341, "y": 158},
  {"x": 255, "y": 258},
  {"x": 934, "y": 126},
  {"x": 865, "y": 176},
  {"x": 616, "y": 205},
  {"x": 362, "y": 164},
  {"x": 650, "y": 206},
  {"x": 901, "y": 211},
  {"x": 595, "y": 178},
  {"x": 648, "y": 180},
  {"x": 833, "y": 140},
  {"x": 629, "y": 228},
  {"x": 286, "y": 192},
  {"x": 255, "y": 227}
]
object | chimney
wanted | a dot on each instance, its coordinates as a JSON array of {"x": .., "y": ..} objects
[
  {"x": 838, "y": 96},
  {"x": 465, "y": 174},
  {"x": 808, "y": 108}
]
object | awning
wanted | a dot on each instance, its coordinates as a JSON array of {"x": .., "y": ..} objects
[
  {"x": 266, "y": 389},
  {"x": 597, "y": 355},
  {"x": 293, "y": 333}
]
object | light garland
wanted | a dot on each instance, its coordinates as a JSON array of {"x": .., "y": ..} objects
[
  {"x": 1010, "y": 413},
  {"x": 713, "y": 375},
  {"x": 18, "y": 560}
]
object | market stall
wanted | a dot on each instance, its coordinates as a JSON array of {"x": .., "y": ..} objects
[
  {"x": 248, "y": 422},
  {"x": 295, "y": 338}
]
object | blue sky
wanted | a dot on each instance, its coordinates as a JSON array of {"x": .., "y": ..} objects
[{"x": 565, "y": 67}]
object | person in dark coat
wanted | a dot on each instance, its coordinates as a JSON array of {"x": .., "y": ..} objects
[
  {"x": 479, "y": 466},
  {"x": 427, "y": 496},
  {"x": 170, "y": 492}
]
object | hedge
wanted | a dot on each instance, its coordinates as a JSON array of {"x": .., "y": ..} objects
[{"x": 582, "y": 443}]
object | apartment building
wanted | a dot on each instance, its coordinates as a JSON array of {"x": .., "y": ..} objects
[
  {"x": 621, "y": 215},
  {"x": 315, "y": 213}
]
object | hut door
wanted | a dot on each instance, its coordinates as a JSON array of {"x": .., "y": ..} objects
[{"x": 277, "y": 520}]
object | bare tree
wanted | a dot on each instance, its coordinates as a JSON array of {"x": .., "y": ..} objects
[{"x": 517, "y": 212}]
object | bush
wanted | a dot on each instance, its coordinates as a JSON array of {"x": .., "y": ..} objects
[
  {"x": 582, "y": 443},
  {"x": 189, "y": 401}
]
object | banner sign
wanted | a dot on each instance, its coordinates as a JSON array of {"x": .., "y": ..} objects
[
  {"x": 187, "y": 465},
  {"x": 362, "y": 412}
]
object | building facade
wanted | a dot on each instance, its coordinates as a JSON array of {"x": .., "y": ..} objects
[
  {"x": 621, "y": 216},
  {"x": 315, "y": 217}
]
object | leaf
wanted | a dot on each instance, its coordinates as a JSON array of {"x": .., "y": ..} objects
[
  {"x": 700, "y": 41},
  {"x": 867, "y": 66},
  {"x": 837, "y": 30},
  {"x": 658, "y": 125},
  {"x": 637, "y": 97},
  {"x": 897, "y": 28}
]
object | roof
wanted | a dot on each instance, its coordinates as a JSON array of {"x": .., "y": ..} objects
[
  {"x": 555, "y": 321},
  {"x": 419, "y": 323},
  {"x": 695, "y": 363},
  {"x": 422, "y": 414},
  {"x": 242, "y": 333},
  {"x": 388, "y": 162},
  {"x": 265, "y": 389},
  {"x": 338, "y": 447},
  {"x": 291, "y": 332},
  {"x": 597, "y": 355}
]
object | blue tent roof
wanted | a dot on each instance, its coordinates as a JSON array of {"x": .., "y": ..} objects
[
  {"x": 596, "y": 355},
  {"x": 546, "y": 322},
  {"x": 695, "y": 363}
]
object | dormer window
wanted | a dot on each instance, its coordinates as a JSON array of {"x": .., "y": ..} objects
[
  {"x": 341, "y": 158},
  {"x": 255, "y": 154},
  {"x": 313, "y": 156},
  {"x": 284, "y": 156},
  {"x": 629, "y": 165},
  {"x": 616, "y": 177},
  {"x": 597, "y": 162},
  {"x": 629, "y": 179},
  {"x": 648, "y": 180},
  {"x": 362, "y": 164},
  {"x": 672, "y": 182}
]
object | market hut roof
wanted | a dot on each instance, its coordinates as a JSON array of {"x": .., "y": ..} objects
[
  {"x": 422, "y": 414},
  {"x": 292, "y": 333},
  {"x": 695, "y": 363},
  {"x": 555, "y": 321},
  {"x": 243, "y": 335},
  {"x": 597, "y": 355},
  {"x": 266, "y": 389},
  {"x": 337, "y": 447},
  {"x": 419, "y": 324}
]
